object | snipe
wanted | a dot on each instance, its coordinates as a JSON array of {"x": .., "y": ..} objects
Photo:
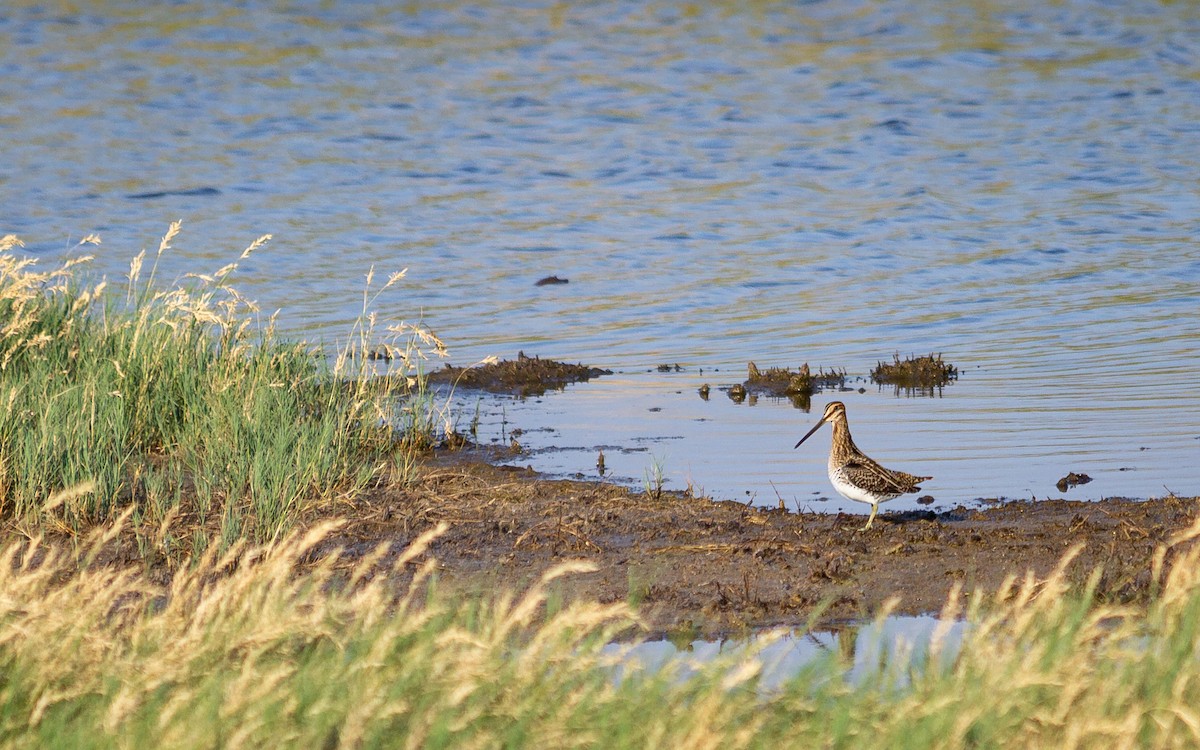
[{"x": 854, "y": 474}]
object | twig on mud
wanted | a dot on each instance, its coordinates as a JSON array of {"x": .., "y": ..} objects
[
  {"x": 1076, "y": 522},
  {"x": 482, "y": 484},
  {"x": 734, "y": 547},
  {"x": 781, "y": 505},
  {"x": 726, "y": 596},
  {"x": 1130, "y": 528},
  {"x": 561, "y": 529}
]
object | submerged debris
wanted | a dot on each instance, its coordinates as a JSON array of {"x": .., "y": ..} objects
[
  {"x": 1072, "y": 480},
  {"x": 915, "y": 373},
  {"x": 525, "y": 376}
]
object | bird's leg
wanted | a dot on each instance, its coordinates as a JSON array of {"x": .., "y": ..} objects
[{"x": 874, "y": 510}]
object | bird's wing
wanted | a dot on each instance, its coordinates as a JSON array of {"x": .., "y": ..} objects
[{"x": 884, "y": 480}]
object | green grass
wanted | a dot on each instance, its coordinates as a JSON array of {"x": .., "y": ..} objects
[{"x": 184, "y": 402}]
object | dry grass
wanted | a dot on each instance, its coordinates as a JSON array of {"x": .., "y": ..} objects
[
  {"x": 264, "y": 647},
  {"x": 240, "y": 650}
]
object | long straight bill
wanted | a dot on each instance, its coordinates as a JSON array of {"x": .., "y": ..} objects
[{"x": 816, "y": 427}]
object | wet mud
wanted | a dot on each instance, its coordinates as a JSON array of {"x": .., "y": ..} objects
[
  {"x": 925, "y": 375},
  {"x": 706, "y": 568}
]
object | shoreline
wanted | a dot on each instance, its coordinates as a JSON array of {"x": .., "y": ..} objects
[{"x": 710, "y": 568}]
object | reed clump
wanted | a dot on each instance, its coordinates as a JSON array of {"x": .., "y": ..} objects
[{"x": 184, "y": 405}]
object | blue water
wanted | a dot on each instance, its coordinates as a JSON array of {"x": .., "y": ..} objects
[{"x": 1014, "y": 186}]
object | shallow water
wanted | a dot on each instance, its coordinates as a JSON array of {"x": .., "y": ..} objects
[
  {"x": 1012, "y": 185},
  {"x": 882, "y": 648}
]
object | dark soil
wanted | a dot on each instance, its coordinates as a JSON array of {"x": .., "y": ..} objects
[
  {"x": 703, "y": 568},
  {"x": 694, "y": 565}
]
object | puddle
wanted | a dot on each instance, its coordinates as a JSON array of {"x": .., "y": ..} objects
[{"x": 869, "y": 649}]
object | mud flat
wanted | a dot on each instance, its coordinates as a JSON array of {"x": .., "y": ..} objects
[{"x": 705, "y": 567}]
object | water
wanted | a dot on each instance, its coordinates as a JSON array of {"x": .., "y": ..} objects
[
  {"x": 882, "y": 648},
  {"x": 1014, "y": 186}
]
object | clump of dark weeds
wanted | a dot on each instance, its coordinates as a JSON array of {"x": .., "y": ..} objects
[
  {"x": 780, "y": 381},
  {"x": 915, "y": 373},
  {"x": 524, "y": 376}
]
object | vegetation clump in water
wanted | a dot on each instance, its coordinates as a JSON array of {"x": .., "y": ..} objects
[
  {"x": 524, "y": 376},
  {"x": 780, "y": 381},
  {"x": 915, "y": 373}
]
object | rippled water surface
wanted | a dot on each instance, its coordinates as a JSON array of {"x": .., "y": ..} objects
[{"x": 1014, "y": 185}]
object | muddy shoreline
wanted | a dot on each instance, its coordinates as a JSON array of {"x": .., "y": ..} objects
[
  {"x": 705, "y": 568},
  {"x": 694, "y": 566}
]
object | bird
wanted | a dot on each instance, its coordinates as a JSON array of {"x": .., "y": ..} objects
[{"x": 854, "y": 474}]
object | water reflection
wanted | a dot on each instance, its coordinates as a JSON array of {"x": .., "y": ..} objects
[{"x": 857, "y": 651}]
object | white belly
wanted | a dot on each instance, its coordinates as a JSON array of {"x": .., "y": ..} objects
[{"x": 854, "y": 492}]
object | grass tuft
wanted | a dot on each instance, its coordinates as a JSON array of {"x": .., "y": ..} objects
[{"x": 184, "y": 404}]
